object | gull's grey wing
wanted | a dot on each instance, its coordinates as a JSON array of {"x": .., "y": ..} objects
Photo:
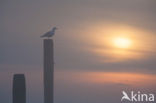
[{"x": 46, "y": 34}]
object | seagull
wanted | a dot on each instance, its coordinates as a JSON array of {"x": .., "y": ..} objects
[
  {"x": 50, "y": 33},
  {"x": 125, "y": 96}
]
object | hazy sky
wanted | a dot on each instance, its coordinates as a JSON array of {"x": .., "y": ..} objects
[{"x": 84, "y": 43}]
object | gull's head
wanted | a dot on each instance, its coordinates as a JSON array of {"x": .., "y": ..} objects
[{"x": 54, "y": 28}]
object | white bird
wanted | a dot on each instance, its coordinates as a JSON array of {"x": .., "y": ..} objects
[
  {"x": 125, "y": 96},
  {"x": 50, "y": 33}
]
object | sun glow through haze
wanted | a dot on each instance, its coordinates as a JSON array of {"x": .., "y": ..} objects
[
  {"x": 119, "y": 42},
  {"x": 122, "y": 42}
]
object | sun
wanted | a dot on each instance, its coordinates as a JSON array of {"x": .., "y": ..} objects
[{"x": 121, "y": 42}]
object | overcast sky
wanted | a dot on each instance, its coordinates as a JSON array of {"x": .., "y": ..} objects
[{"x": 81, "y": 44}]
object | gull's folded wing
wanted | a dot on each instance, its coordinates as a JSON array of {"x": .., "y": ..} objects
[{"x": 46, "y": 34}]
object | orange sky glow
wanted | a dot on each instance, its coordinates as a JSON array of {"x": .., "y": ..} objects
[
  {"x": 125, "y": 78},
  {"x": 120, "y": 42}
]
